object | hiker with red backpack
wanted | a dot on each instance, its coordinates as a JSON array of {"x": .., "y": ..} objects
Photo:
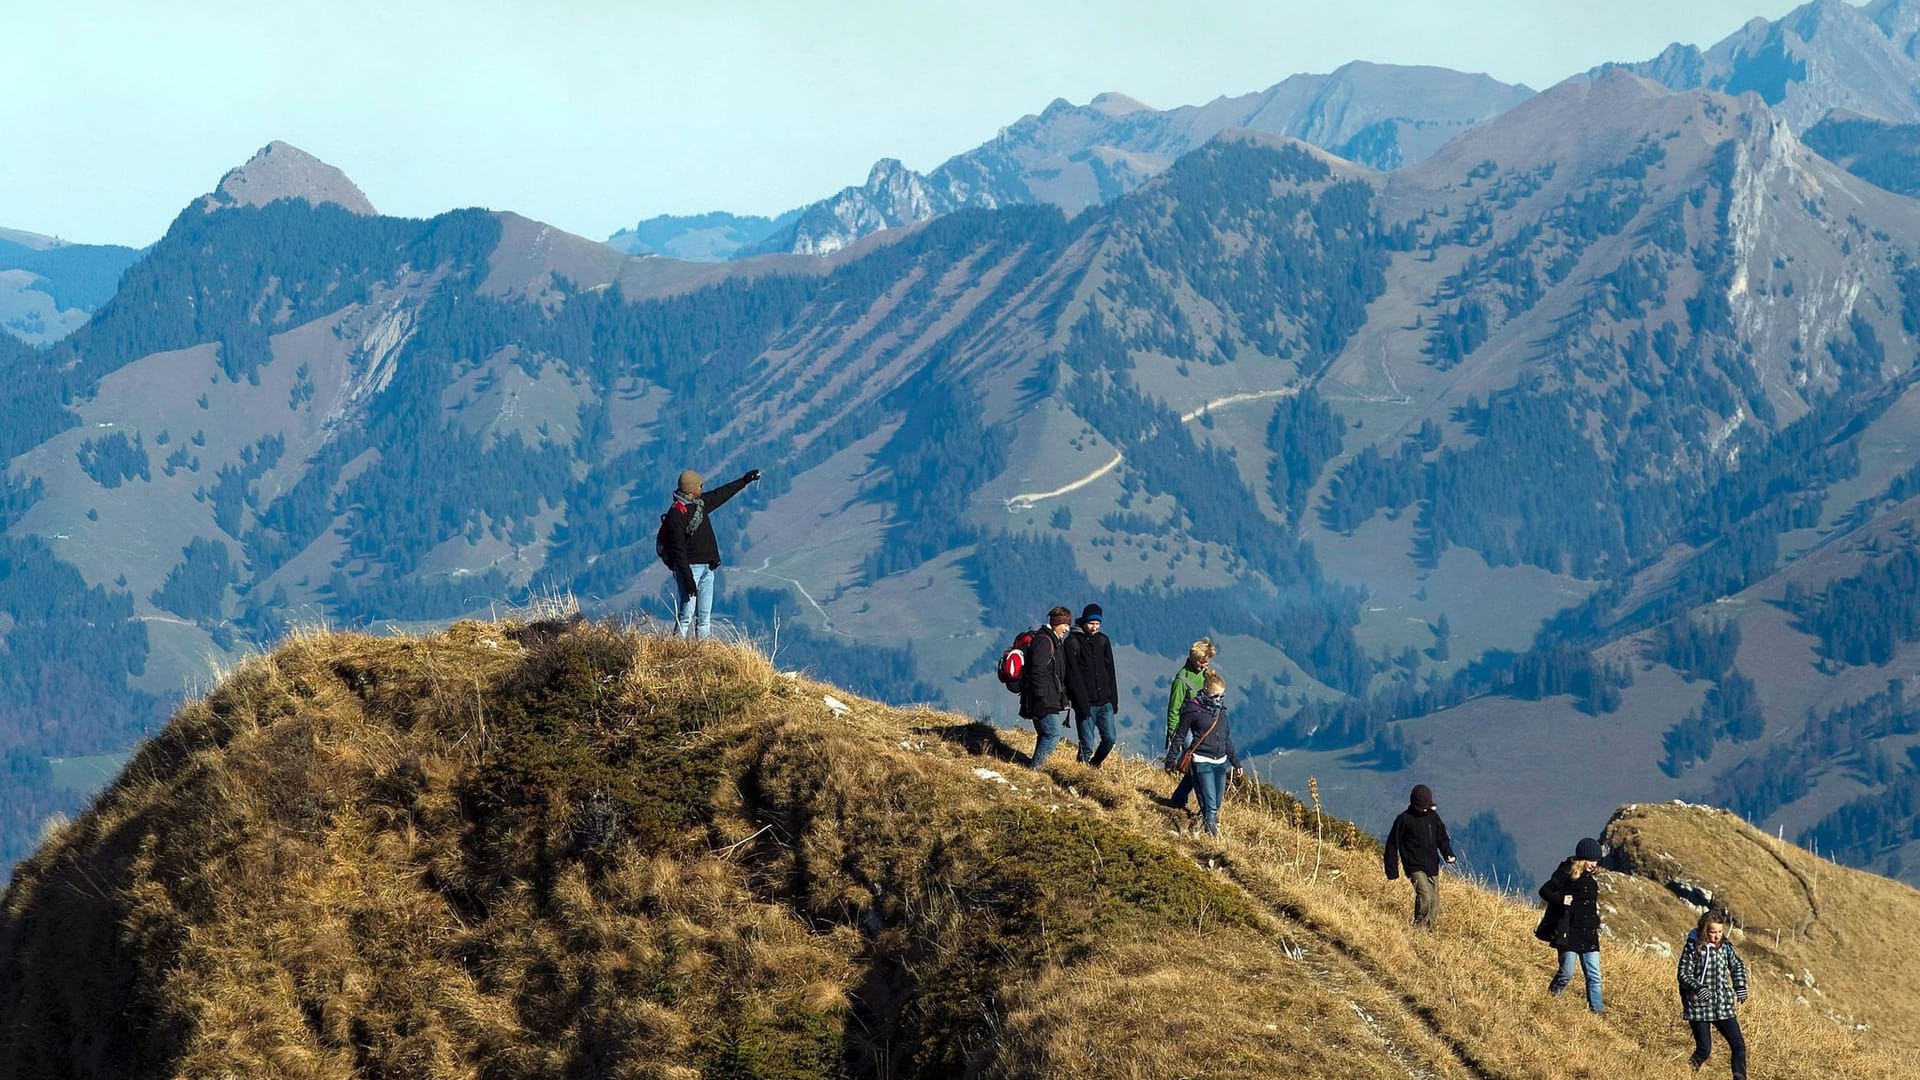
[
  {"x": 1043, "y": 685},
  {"x": 686, "y": 544},
  {"x": 1092, "y": 687}
]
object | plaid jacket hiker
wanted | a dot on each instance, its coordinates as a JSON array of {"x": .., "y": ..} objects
[{"x": 1712, "y": 978}]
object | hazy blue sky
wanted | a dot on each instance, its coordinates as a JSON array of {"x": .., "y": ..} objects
[{"x": 591, "y": 114}]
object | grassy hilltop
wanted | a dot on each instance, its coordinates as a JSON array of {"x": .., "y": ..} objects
[{"x": 520, "y": 850}]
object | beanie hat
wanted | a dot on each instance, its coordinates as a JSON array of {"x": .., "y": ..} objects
[
  {"x": 689, "y": 480},
  {"x": 1588, "y": 848},
  {"x": 1422, "y": 797},
  {"x": 1091, "y": 611}
]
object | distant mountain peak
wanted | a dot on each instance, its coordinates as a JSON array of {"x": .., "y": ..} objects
[
  {"x": 284, "y": 171},
  {"x": 1117, "y": 104},
  {"x": 1823, "y": 55}
]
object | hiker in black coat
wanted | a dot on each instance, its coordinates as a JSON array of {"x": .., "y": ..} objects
[
  {"x": 1043, "y": 685},
  {"x": 691, "y": 550},
  {"x": 1418, "y": 842},
  {"x": 1575, "y": 894},
  {"x": 1091, "y": 686}
]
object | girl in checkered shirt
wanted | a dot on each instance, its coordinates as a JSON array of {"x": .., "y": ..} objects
[{"x": 1713, "y": 983}]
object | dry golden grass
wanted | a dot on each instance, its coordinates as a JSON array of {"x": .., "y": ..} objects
[{"x": 560, "y": 849}]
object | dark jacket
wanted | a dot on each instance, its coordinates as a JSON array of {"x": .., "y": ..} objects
[
  {"x": 1201, "y": 712},
  {"x": 1418, "y": 841},
  {"x": 689, "y": 536},
  {"x": 1043, "y": 687},
  {"x": 1712, "y": 978},
  {"x": 1089, "y": 664},
  {"x": 1580, "y": 932}
]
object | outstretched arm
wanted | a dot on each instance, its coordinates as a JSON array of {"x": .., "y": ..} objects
[{"x": 718, "y": 497}]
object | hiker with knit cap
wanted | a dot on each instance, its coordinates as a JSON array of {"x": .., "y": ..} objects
[
  {"x": 1418, "y": 842},
  {"x": 692, "y": 552},
  {"x": 1187, "y": 682},
  {"x": 1203, "y": 746},
  {"x": 1043, "y": 687},
  {"x": 1092, "y": 687},
  {"x": 1713, "y": 985},
  {"x": 1575, "y": 895}
]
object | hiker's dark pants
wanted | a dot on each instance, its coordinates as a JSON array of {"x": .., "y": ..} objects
[
  {"x": 1426, "y": 897},
  {"x": 1730, "y": 1031},
  {"x": 1182, "y": 792},
  {"x": 1046, "y": 735}
]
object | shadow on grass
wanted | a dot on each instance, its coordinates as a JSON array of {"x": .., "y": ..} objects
[{"x": 979, "y": 739}]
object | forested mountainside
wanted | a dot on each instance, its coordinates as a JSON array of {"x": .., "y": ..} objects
[
  {"x": 1874, "y": 150},
  {"x": 1586, "y": 434},
  {"x": 559, "y": 848},
  {"x": 48, "y": 286}
]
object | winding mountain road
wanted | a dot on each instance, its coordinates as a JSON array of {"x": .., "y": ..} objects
[{"x": 1027, "y": 500}]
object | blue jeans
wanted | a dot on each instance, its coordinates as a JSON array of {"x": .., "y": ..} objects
[
  {"x": 696, "y": 611},
  {"x": 1588, "y": 962},
  {"x": 1211, "y": 782},
  {"x": 1097, "y": 718},
  {"x": 1047, "y": 730}
]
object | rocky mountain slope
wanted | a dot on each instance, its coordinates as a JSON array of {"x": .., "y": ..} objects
[
  {"x": 553, "y": 849},
  {"x": 1825, "y": 55},
  {"x": 1073, "y": 157}
]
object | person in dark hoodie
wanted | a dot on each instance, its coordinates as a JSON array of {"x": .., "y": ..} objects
[
  {"x": 1092, "y": 687},
  {"x": 1043, "y": 686},
  {"x": 1418, "y": 842},
  {"x": 1186, "y": 683},
  {"x": 1205, "y": 741},
  {"x": 1573, "y": 891},
  {"x": 1713, "y": 985},
  {"x": 692, "y": 552}
]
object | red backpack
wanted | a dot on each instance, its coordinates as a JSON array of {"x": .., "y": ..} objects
[{"x": 1013, "y": 662}]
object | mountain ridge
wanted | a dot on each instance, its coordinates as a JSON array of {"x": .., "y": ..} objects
[{"x": 552, "y": 845}]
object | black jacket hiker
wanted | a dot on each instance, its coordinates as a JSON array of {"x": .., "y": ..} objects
[
  {"x": 689, "y": 530},
  {"x": 1043, "y": 687},
  {"x": 1417, "y": 841},
  {"x": 1579, "y": 928},
  {"x": 1088, "y": 658}
]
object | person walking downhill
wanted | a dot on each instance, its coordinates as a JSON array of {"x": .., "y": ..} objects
[
  {"x": 1203, "y": 747},
  {"x": 1573, "y": 891},
  {"x": 1418, "y": 842},
  {"x": 1092, "y": 686},
  {"x": 1187, "y": 682},
  {"x": 1043, "y": 688},
  {"x": 1713, "y": 985},
  {"x": 691, "y": 550}
]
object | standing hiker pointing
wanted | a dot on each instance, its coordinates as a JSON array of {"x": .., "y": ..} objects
[{"x": 687, "y": 545}]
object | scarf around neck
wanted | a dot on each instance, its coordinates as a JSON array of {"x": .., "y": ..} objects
[{"x": 696, "y": 509}]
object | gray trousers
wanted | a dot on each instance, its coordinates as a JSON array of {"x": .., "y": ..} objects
[{"x": 1426, "y": 897}]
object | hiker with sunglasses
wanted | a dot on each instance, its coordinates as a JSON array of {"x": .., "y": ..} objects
[{"x": 1202, "y": 748}]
